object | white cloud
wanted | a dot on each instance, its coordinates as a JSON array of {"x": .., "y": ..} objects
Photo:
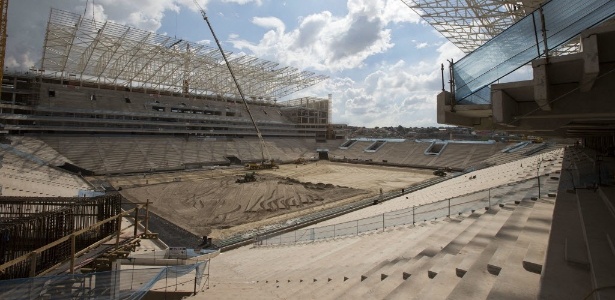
[
  {"x": 270, "y": 22},
  {"x": 395, "y": 93},
  {"x": 326, "y": 42},
  {"x": 243, "y": 2},
  {"x": 421, "y": 45},
  {"x": 449, "y": 51}
]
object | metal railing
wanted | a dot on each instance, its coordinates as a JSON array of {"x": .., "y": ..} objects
[
  {"x": 248, "y": 237},
  {"x": 411, "y": 215}
]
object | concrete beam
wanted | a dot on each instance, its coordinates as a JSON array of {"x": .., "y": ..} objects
[
  {"x": 446, "y": 116},
  {"x": 591, "y": 62},
  {"x": 504, "y": 107},
  {"x": 541, "y": 87}
]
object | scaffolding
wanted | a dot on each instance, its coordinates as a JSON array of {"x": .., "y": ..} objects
[
  {"x": 78, "y": 49},
  {"x": 38, "y": 233},
  {"x": 308, "y": 110}
]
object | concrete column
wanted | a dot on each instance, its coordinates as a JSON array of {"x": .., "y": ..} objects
[
  {"x": 591, "y": 62},
  {"x": 541, "y": 86},
  {"x": 504, "y": 108}
]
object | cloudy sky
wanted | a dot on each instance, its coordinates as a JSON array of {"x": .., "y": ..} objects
[{"x": 382, "y": 59}]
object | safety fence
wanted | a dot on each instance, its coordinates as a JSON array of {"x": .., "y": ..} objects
[
  {"x": 121, "y": 284},
  {"x": 523, "y": 42},
  {"x": 410, "y": 215}
]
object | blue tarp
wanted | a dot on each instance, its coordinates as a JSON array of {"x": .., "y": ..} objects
[{"x": 523, "y": 42}]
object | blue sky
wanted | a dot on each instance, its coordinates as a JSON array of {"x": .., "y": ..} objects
[{"x": 382, "y": 59}]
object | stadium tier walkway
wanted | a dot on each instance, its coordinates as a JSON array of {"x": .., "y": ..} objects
[
  {"x": 482, "y": 254},
  {"x": 580, "y": 259}
]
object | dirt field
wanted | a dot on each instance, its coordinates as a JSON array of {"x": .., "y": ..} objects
[{"x": 209, "y": 202}]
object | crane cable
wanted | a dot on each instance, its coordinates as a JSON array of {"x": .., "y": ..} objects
[{"x": 228, "y": 65}]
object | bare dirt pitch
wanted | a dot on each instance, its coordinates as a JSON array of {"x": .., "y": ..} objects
[{"x": 209, "y": 202}]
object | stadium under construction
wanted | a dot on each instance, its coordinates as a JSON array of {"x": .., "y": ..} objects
[{"x": 132, "y": 166}]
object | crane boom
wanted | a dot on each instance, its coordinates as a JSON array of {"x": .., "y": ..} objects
[
  {"x": 4, "y": 8},
  {"x": 243, "y": 98}
]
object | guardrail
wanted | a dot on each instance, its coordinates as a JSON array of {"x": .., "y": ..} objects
[
  {"x": 444, "y": 208},
  {"x": 247, "y": 238}
]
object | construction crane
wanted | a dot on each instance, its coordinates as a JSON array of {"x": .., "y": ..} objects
[
  {"x": 266, "y": 161},
  {"x": 4, "y": 6}
]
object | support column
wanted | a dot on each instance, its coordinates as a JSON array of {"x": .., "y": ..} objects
[
  {"x": 541, "y": 85},
  {"x": 504, "y": 107},
  {"x": 591, "y": 62}
]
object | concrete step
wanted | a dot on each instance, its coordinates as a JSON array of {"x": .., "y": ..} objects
[
  {"x": 476, "y": 282},
  {"x": 471, "y": 252},
  {"x": 235, "y": 291},
  {"x": 397, "y": 272},
  {"x": 565, "y": 272},
  {"x": 520, "y": 272},
  {"x": 348, "y": 260},
  {"x": 409, "y": 238},
  {"x": 406, "y": 256},
  {"x": 514, "y": 282},
  {"x": 414, "y": 272},
  {"x": 597, "y": 221},
  {"x": 441, "y": 285},
  {"x": 478, "y": 242},
  {"x": 535, "y": 235},
  {"x": 508, "y": 234},
  {"x": 439, "y": 266}
]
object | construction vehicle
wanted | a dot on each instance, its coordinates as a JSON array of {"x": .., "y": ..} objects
[
  {"x": 248, "y": 177},
  {"x": 266, "y": 161},
  {"x": 439, "y": 172},
  {"x": 271, "y": 164}
]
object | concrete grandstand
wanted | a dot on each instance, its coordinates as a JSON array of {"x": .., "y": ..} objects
[{"x": 150, "y": 165}]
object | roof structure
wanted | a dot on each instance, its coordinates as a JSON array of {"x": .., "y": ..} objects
[
  {"x": 470, "y": 23},
  {"x": 77, "y": 48}
]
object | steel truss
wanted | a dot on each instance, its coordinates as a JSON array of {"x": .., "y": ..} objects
[
  {"x": 468, "y": 24},
  {"x": 81, "y": 49}
]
